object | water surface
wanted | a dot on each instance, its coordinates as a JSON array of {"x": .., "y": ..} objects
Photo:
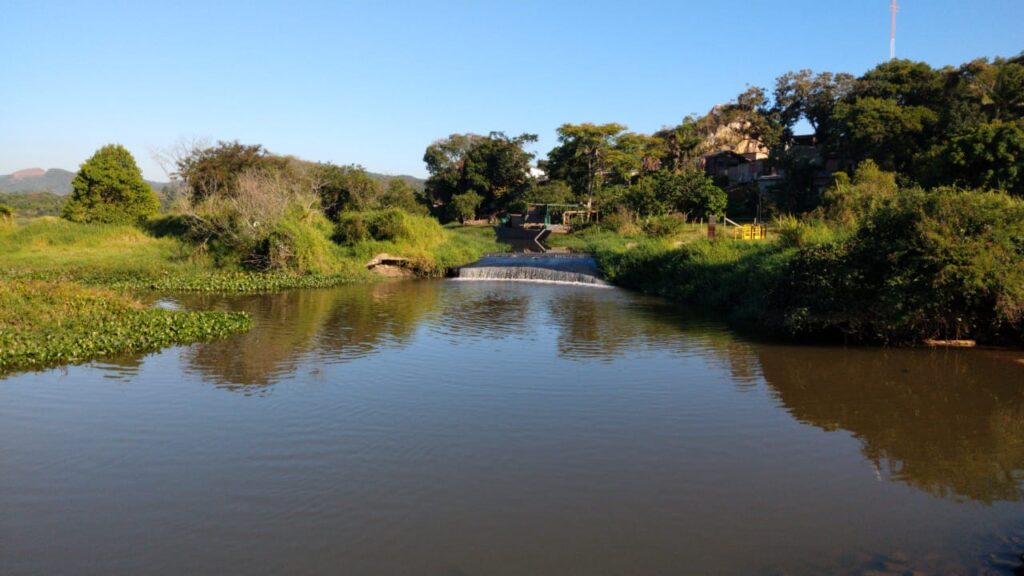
[{"x": 463, "y": 428}]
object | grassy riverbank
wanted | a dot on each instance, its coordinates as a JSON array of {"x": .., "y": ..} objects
[
  {"x": 945, "y": 264},
  {"x": 127, "y": 257},
  {"x": 65, "y": 287}
]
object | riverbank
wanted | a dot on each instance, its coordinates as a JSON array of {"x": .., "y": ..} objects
[
  {"x": 66, "y": 288},
  {"x": 943, "y": 265}
]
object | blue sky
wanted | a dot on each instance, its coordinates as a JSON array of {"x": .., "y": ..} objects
[{"x": 374, "y": 82}]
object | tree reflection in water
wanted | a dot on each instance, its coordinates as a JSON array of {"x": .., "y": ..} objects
[
  {"x": 298, "y": 326},
  {"x": 948, "y": 422}
]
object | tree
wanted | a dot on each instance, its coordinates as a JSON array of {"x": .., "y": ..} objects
[
  {"x": 344, "y": 188},
  {"x": 214, "y": 170},
  {"x": 581, "y": 158},
  {"x": 698, "y": 196},
  {"x": 495, "y": 167},
  {"x": 990, "y": 157},
  {"x": 692, "y": 193},
  {"x": 400, "y": 194},
  {"x": 810, "y": 96},
  {"x": 884, "y": 130},
  {"x": 679, "y": 145},
  {"x": 109, "y": 188},
  {"x": 463, "y": 206}
]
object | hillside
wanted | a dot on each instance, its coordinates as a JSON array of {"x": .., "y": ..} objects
[{"x": 53, "y": 180}]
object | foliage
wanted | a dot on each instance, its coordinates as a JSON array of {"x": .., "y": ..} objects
[
  {"x": 495, "y": 167},
  {"x": 846, "y": 201},
  {"x": 400, "y": 194},
  {"x": 431, "y": 248},
  {"x": 941, "y": 264},
  {"x": 33, "y": 204},
  {"x": 208, "y": 171},
  {"x": 664, "y": 226},
  {"x": 913, "y": 265},
  {"x": 6, "y": 215},
  {"x": 990, "y": 157},
  {"x": 464, "y": 206},
  {"x": 344, "y": 188},
  {"x": 109, "y": 188},
  {"x": 582, "y": 156},
  {"x": 550, "y": 192},
  {"x": 46, "y": 323}
]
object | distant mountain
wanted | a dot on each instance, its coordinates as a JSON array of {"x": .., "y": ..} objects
[
  {"x": 53, "y": 180},
  {"x": 59, "y": 181},
  {"x": 417, "y": 183}
]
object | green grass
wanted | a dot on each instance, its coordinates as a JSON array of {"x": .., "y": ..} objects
[
  {"x": 125, "y": 257},
  {"x": 47, "y": 323},
  {"x": 430, "y": 248},
  {"x": 64, "y": 286}
]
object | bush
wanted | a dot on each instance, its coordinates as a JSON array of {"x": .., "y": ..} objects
[
  {"x": 299, "y": 243},
  {"x": 665, "y": 226},
  {"x": 621, "y": 222},
  {"x": 387, "y": 226},
  {"x": 6, "y": 215},
  {"x": 109, "y": 188},
  {"x": 941, "y": 264},
  {"x": 463, "y": 206}
]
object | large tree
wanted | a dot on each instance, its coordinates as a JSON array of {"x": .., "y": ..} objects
[
  {"x": 496, "y": 167},
  {"x": 109, "y": 188},
  {"x": 582, "y": 156}
]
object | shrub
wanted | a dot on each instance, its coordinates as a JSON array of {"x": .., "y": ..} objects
[
  {"x": 621, "y": 221},
  {"x": 109, "y": 188},
  {"x": 463, "y": 206},
  {"x": 387, "y": 226},
  {"x": 665, "y": 226},
  {"x": 940, "y": 264},
  {"x": 258, "y": 226},
  {"x": 6, "y": 215},
  {"x": 300, "y": 242}
]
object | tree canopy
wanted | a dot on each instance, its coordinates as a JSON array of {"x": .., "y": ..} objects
[
  {"x": 496, "y": 167},
  {"x": 109, "y": 188}
]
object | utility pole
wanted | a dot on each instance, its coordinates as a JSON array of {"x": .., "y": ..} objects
[{"x": 892, "y": 31}]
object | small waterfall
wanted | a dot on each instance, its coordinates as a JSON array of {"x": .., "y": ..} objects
[{"x": 550, "y": 268}]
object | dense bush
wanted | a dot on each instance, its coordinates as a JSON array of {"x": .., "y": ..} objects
[
  {"x": 664, "y": 226},
  {"x": 386, "y": 226},
  {"x": 109, "y": 188},
  {"x": 940, "y": 264}
]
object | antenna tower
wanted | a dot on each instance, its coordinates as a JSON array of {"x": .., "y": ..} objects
[{"x": 892, "y": 30}]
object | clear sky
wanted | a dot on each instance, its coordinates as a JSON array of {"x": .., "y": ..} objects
[{"x": 374, "y": 82}]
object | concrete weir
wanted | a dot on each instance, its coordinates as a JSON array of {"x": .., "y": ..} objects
[{"x": 579, "y": 269}]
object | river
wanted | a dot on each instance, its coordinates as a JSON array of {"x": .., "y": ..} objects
[{"x": 494, "y": 428}]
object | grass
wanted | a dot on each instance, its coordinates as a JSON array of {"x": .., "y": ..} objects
[
  {"x": 431, "y": 248},
  {"x": 64, "y": 286},
  {"x": 728, "y": 277},
  {"x": 125, "y": 257},
  {"x": 45, "y": 323}
]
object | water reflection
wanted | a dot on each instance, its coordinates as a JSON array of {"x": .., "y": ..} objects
[
  {"x": 296, "y": 327},
  {"x": 950, "y": 423}
]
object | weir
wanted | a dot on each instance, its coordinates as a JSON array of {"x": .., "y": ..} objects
[{"x": 551, "y": 268}]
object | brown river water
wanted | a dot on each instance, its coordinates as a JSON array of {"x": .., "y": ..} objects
[{"x": 454, "y": 428}]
